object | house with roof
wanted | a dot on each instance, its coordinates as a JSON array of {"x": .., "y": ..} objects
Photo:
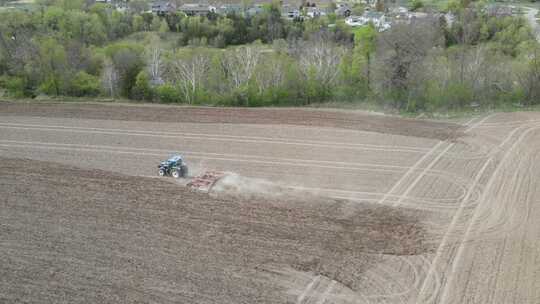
[
  {"x": 119, "y": 5},
  {"x": 314, "y": 12},
  {"x": 499, "y": 11},
  {"x": 378, "y": 20},
  {"x": 239, "y": 9},
  {"x": 163, "y": 7},
  {"x": 290, "y": 12},
  {"x": 196, "y": 9},
  {"x": 227, "y": 9},
  {"x": 254, "y": 10}
]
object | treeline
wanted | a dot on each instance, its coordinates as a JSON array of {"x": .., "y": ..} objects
[{"x": 67, "y": 48}]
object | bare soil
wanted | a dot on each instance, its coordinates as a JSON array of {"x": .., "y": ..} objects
[
  {"x": 89, "y": 236},
  {"x": 293, "y": 116},
  {"x": 452, "y": 221}
]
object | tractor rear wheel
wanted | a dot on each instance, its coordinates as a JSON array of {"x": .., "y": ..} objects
[
  {"x": 184, "y": 171},
  {"x": 176, "y": 173}
]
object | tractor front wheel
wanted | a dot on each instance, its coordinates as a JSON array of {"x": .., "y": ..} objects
[
  {"x": 176, "y": 173},
  {"x": 161, "y": 172}
]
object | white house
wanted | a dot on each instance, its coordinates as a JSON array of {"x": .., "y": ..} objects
[
  {"x": 376, "y": 18},
  {"x": 289, "y": 12},
  {"x": 314, "y": 12}
]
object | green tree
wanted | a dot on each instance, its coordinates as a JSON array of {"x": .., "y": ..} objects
[
  {"x": 156, "y": 24},
  {"x": 53, "y": 66},
  {"x": 364, "y": 47},
  {"x": 119, "y": 25},
  {"x": 128, "y": 62},
  {"x": 138, "y": 23},
  {"x": 70, "y": 4},
  {"x": 163, "y": 27},
  {"x": 14, "y": 86},
  {"x": 83, "y": 27},
  {"x": 416, "y": 5},
  {"x": 268, "y": 25}
]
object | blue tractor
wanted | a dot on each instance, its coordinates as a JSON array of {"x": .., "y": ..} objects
[{"x": 174, "y": 166}]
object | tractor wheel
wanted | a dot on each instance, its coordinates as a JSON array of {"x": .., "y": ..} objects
[
  {"x": 184, "y": 171},
  {"x": 161, "y": 172},
  {"x": 176, "y": 173}
]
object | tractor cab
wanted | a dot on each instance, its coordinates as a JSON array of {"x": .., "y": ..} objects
[{"x": 173, "y": 160}]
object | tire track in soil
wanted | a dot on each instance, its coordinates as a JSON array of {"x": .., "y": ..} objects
[
  {"x": 515, "y": 183},
  {"x": 437, "y": 158},
  {"x": 471, "y": 126},
  {"x": 433, "y": 294}
]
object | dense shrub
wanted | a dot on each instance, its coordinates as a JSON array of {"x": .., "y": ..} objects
[
  {"x": 14, "y": 86},
  {"x": 142, "y": 89},
  {"x": 84, "y": 84},
  {"x": 168, "y": 94}
]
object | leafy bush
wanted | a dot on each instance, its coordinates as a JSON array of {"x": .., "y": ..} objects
[
  {"x": 14, "y": 86},
  {"x": 84, "y": 84},
  {"x": 168, "y": 94},
  {"x": 142, "y": 89},
  {"x": 50, "y": 86}
]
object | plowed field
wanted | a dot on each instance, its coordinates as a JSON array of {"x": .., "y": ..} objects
[{"x": 319, "y": 206}]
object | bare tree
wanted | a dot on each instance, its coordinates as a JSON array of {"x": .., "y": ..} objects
[
  {"x": 319, "y": 57},
  {"x": 240, "y": 63},
  {"x": 190, "y": 73},
  {"x": 155, "y": 65},
  {"x": 466, "y": 35},
  {"x": 109, "y": 79},
  {"x": 272, "y": 74},
  {"x": 17, "y": 47}
]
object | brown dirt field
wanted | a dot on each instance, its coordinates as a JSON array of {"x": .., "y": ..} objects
[
  {"x": 451, "y": 221},
  {"x": 88, "y": 236},
  {"x": 292, "y": 116}
]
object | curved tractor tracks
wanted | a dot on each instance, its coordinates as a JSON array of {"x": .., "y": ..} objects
[
  {"x": 438, "y": 285},
  {"x": 435, "y": 154},
  {"x": 483, "y": 225}
]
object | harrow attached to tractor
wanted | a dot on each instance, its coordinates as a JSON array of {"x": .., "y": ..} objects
[
  {"x": 176, "y": 167},
  {"x": 205, "y": 181}
]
